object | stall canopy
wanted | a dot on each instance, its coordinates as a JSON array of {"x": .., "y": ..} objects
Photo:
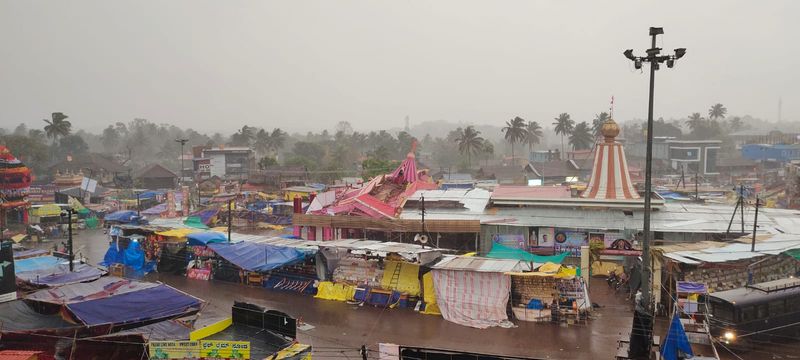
[
  {"x": 257, "y": 257},
  {"x": 500, "y": 251},
  {"x": 19, "y": 316},
  {"x": 205, "y": 238},
  {"x": 37, "y": 263},
  {"x": 156, "y": 303},
  {"x": 123, "y": 216},
  {"x": 46, "y": 210},
  {"x": 177, "y": 233},
  {"x": 60, "y": 275},
  {"x": 101, "y": 288},
  {"x": 472, "y": 298}
]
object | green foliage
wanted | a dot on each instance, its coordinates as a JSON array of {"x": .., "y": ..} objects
[
  {"x": 33, "y": 151},
  {"x": 73, "y": 145},
  {"x": 581, "y": 137},
  {"x": 57, "y": 126},
  {"x": 372, "y": 167},
  {"x": 598, "y": 121}
]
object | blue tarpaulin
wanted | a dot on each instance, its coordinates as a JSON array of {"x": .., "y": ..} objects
[
  {"x": 160, "y": 302},
  {"x": 133, "y": 256},
  {"x": 124, "y": 216},
  {"x": 676, "y": 341},
  {"x": 205, "y": 238},
  {"x": 60, "y": 275},
  {"x": 37, "y": 263},
  {"x": 257, "y": 257}
]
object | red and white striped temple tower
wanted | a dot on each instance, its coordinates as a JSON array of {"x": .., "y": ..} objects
[{"x": 610, "y": 177}]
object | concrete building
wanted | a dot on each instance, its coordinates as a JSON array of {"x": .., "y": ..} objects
[
  {"x": 781, "y": 153},
  {"x": 229, "y": 163}
]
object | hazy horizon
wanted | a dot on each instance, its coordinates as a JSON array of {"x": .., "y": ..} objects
[{"x": 304, "y": 66}]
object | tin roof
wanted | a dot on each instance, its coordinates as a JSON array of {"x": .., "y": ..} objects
[{"x": 480, "y": 264}]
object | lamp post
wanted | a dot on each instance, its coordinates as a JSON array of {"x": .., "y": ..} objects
[
  {"x": 68, "y": 214},
  {"x": 183, "y": 142},
  {"x": 230, "y": 218},
  {"x": 138, "y": 204},
  {"x": 643, "y": 327}
]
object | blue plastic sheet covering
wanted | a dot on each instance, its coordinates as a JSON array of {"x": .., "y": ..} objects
[
  {"x": 257, "y": 257},
  {"x": 37, "y": 263},
  {"x": 205, "y": 238},
  {"x": 160, "y": 302},
  {"x": 150, "y": 194},
  {"x": 60, "y": 275},
  {"x": 676, "y": 342},
  {"x": 123, "y": 216},
  {"x": 133, "y": 256}
]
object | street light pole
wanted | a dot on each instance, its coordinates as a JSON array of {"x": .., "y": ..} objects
[
  {"x": 643, "y": 327},
  {"x": 183, "y": 142},
  {"x": 230, "y": 218},
  {"x": 138, "y": 204},
  {"x": 68, "y": 213}
]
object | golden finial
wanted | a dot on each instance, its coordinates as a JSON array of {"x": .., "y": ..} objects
[{"x": 610, "y": 130}]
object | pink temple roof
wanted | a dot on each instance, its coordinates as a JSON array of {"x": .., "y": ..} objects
[{"x": 610, "y": 176}]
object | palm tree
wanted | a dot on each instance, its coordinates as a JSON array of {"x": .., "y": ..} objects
[
  {"x": 717, "y": 111},
  {"x": 597, "y": 123},
  {"x": 695, "y": 121},
  {"x": 533, "y": 134},
  {"x": 262, "y": 142},
  {"x": 581, "y": 137},
  {"x": 735, "y": 123},
  {"x": 515, "y": 132},
  {"x": 469, "y": 141},
  {"x": 487, "y": 148},
  {"x": 277, "y": 139},
  {"x": 243, "y": 137},
  {"x": 563, "y": 126},
  {"x": 58, "y": 126}
]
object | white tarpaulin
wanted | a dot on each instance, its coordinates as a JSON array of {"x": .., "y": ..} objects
[{"x": 470, "y": 298}]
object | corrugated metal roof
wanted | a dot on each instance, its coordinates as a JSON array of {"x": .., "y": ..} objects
[
  {"x": 480, "y": 264},
  {"x": 716, "y": 252}
]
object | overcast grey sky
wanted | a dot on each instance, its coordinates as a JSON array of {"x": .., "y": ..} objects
[{"x": 301, "y": 65}]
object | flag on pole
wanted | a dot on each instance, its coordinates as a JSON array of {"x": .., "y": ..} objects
[{"x": 676, "y": 342}]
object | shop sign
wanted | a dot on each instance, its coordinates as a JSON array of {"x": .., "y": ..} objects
[
  {"x": 199, "y": 274},
  {"x": 571, "y": 242},
  {"x": 516, "y": 241},
  {"x": 203, "y": 349}
]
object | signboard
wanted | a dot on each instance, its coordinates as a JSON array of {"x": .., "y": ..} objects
[
  {"x": 199, "y": 274},
  {"x": 516, "y": 241},
  {"x": 8, "y": 280},
  {"x": 547, "y": 237},
  {"x": 570, "y": 241},
  {"x": 89, "y": 185},
  {"x": 610, "y": 238},
  {"x": 203, "y": 349}
]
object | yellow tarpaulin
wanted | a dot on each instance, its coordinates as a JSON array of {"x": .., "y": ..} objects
[
  {"x": 566, "y": 272},
  {"x": 177, "y": 233},
  {"x": 262, "y": 225},
  {"x": 550, "y": 268},
  {"x": 333, "y": 291},
  {"x": 19, "y": 237},
  {"x": 408, "y": 280},
  {"x": 46, "y": 210},
  {"x": 75, "y": 204},
  {"x": 429, "y": 295}
]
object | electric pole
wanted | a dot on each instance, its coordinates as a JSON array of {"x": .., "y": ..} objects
[
  {"x": 642, "y": 332},
  {"x": 183, "y": 142}
]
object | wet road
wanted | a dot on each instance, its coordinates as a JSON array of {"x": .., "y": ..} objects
[{"x": 340, "y": 329}]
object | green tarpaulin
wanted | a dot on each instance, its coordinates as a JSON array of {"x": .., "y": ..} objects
[
  {"x": 500, "y": 251},
  {"x": 795, "y": 253},
  {"x": 195, "y": 222}
]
